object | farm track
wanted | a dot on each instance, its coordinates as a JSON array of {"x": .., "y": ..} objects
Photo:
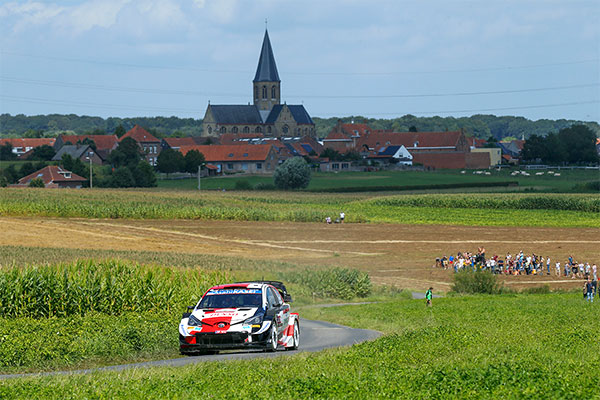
[{"x": 393, "y": 254}]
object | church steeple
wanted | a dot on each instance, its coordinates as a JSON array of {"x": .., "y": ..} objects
[{"x": 266, "y": 82}]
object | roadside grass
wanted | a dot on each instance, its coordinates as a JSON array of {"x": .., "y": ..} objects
[
  {"x": 506, "y": 346},
  {"x": 552, "y": 210},
  {"x": 330, "y": 180}
]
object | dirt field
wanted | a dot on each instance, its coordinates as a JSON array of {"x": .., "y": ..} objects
[{"x": 400, "y": 255}]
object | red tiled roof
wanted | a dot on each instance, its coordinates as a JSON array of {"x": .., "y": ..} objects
[
  {"x": 51, "y": 174},
  {"x": 178, "y": 142},
  {"x": 337, "y": 136},
  {"x": 356, "y": 129},
  {"x": 476, "y": 142},
  {"x": 231, "y": 152},
  {"x": 140, "y": 135},
  {"x": 408, "y": 139},
  {"x": 28, "y": 142},
  {"x": 103, "y": 142}
]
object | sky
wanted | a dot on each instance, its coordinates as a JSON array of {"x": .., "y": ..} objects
[{"x": 379, "y": 59}]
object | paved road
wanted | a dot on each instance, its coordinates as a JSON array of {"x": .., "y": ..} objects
[{"x": 314, "y": 336}]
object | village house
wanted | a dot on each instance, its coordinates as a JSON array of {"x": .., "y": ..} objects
[
  {"x": 21, "y": 146},
  {"x": 53, "y": 177},
  {"x": 150, "y": 145},
  {"x": 104, "y": 143},
  {"x": 82, "y": 152},
  {"x": 247, "y": 158}
]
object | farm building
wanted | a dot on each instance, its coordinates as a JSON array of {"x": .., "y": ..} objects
[
  {"x": 257, "y": 158},
  {"x": 54, "y": 177},
  {"x": 104, "y": 143},
  {"x": 150, "y": 145},
  {"x": 20, "y": 146},
  {"x": 82, "y": 152}
]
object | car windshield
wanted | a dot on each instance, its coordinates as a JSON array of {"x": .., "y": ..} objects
[{"x": 231, "y": 298}]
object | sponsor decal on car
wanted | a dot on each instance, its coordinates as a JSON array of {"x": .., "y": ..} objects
[{"x": 213, "y": 292}]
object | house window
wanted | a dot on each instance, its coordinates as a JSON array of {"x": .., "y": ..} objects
[
  {"x": 335, "y": 166},
  {"x": 245, "y": 166},
  {"x": 246, "y": 129},
  {"x": 234, "y": 129},
  {"x": 264, "y": 92},
  {"x": 230, "y": 155},
  {"x": 258, "y": 165},
  {"x": 229, "y": 165},
  {"x": 273, "y": 96},
  {"x": 245, "y": 155},
  {"x": 344, "y": 165},
  {"x": 258, "y": 130},
  {"x": 223, "y": 130}
]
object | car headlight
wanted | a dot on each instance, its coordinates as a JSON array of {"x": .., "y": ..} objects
[
  {"x": 193, "y": 321},
  {"x": 257, "y": 320}
]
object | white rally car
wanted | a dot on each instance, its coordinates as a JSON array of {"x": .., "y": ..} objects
[{"x": 242, "y": 315}]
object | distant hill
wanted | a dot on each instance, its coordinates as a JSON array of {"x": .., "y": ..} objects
[{"x": 481, "y": 126}]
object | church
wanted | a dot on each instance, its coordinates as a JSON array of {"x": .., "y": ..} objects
[{"x": 267, "y": 116}]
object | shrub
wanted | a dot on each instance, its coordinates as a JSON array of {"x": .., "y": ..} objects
[
  {"x": 242, "y": 185},
  {"x": 294, "y": 173},
  {"x": 264, "y": 186},
  {"x": 36, "y": 183},
  {"x": 468, "y": 281},
  {"x": 341, "y": 283}
]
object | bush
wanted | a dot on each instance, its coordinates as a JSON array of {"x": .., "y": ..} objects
[
  {"x": 341, "y": 283},
  {"x": 468, "y": 281},
  {"x": 264, "y": 186},
  {"x": 294, "y": 173},
  {"x": 36, "y": 183},
  {"x": 242, "y": 185}
]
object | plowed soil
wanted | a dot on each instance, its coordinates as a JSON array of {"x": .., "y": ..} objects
[{"x": 400, "y": 255}]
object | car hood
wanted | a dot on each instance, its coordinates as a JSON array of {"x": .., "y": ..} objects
[{"x": 223, "y": 316}]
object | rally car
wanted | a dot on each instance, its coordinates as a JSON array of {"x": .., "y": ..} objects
[{"x": 243, "y": 315}]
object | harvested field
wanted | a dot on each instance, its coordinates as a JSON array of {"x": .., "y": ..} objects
[{"x": 393, "y": 254}]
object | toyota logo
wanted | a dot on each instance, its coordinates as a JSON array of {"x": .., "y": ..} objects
[{"x": 221, "y": 325}]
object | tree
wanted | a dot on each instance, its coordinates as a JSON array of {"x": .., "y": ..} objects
[
  {"x": 43, "y": 152},
  {"x": 579, "y": 142},
  {"x": 122, "y": 177},
  {"x": 170, "y": 161},
  {"x": 127, "y": 153},
  {"x": 192, "y": 160},
  {"x": 6, "y": 153},
  {"x": 75, "y": 165},
  {"x": 412, "y": 128},
  {"x": 294, "y": 173},
  {"x": 332, "y": 154},
  {"x": 36, "y": 183},
  {"x": 144, "y": 175},
  {"x": 534, "y": 149},
  {"x": 26, "y": 169},
  {"x": 120, "y": 131}
]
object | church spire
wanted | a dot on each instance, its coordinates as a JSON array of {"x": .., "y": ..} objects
[{"x": 267, "y": 69}]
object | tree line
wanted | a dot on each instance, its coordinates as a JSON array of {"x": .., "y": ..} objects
[
  {"x": 480, "y": 125},
  {"x": 573, "y": 145}
]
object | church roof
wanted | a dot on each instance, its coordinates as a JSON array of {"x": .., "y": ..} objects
[
  {"x": 298, "y": 112},
  {"x": 266, "y": 70},
  {"x": 236, "y": 114}
]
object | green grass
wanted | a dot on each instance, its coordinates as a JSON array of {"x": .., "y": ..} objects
[
  {"x": 552, "y": 210},
  {"x": 518, "y": 346},
  {"x": 323, "y": 181}
]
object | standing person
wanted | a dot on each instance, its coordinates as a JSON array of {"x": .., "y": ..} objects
[
  {"x": 589, "y": 291},
  {"x": 558, "y": 268},
  {"x": 429, "y": 296},
  {"x": 548, "y": 265},
  {"x": 342, "y": 216}
]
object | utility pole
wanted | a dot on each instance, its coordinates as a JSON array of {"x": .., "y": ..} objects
[{"x": 90, "y": 154}]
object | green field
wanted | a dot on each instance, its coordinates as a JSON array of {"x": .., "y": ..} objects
[
  {"x": 507, "y": 346},
  {"x": 561, "y": 210},
  {"x": 323, "y": 181}
]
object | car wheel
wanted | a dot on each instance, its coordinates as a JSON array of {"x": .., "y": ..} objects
[
  {"x": 295, "y": 338},
  {"x": 272, "y": 343}
]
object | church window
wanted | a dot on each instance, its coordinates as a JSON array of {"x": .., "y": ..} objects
[
  {"x": 273, "y": 90},
  {"x": 223, "y": 129},
  {"x": 268, "y": 129},
  {"x": 246, "y": 129},
  {"x": 258, "y": 130},
  {"x": 285, "y": 129},
  {"x": 305, "y": 131},
  {"x": 256, "y": 92},
  {"x": 234, "y": 129},
  {"x": 209, "y": 130},
  {"x": 264, "y": 92}
]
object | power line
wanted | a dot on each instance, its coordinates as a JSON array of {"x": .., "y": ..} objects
[
  {"x": 309, "y": 73},
  {"x": 195, "y": 112},
  {"x": 196, "y": 93}
]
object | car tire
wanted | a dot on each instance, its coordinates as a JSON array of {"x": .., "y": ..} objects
[
  {"x": 272, "y": 342},
  {"x": 295, "y": 337}
]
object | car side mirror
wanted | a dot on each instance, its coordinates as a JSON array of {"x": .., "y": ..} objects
[{"x": 287, "y": 298}]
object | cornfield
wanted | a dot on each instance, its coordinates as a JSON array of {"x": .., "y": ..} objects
[{"x": 110, "y": 287}]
